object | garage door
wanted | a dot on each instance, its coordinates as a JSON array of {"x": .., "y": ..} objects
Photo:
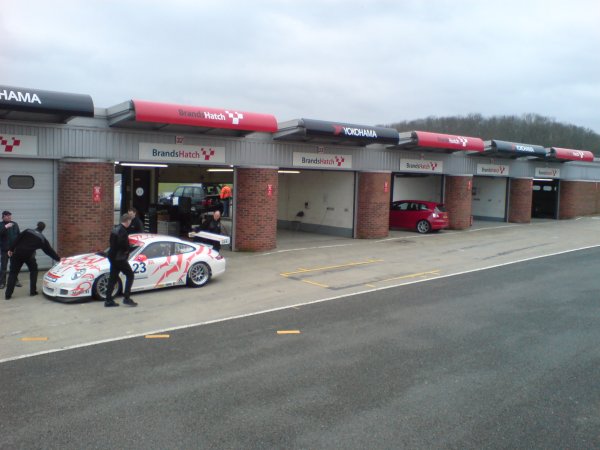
[
  {"x": 417, "y": 187},
  {"x": 27, "y": 190},
  {"x": 317, "y": 201},
  {"x": 489, "y": 198}
]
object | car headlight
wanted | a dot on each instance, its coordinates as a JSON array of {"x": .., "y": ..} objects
[{"x": 78, "y": 274}]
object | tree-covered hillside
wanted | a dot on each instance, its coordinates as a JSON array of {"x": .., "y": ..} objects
[{"x": 527, "y": 129}]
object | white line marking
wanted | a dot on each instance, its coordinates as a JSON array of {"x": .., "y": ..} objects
[
  {"x": 281, "y": 308},
  {"x": 304, "y": 248}
]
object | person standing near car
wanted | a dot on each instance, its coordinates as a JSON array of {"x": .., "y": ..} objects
[
  {"x": 22, "y": 251},
  {"x": 211, "y": 224},
  {"x": 136, "y": 225},
  {"x": 9, "y": 230},
  {"x": 225, "y": 196},
  {"x": 118, "y": 257}
]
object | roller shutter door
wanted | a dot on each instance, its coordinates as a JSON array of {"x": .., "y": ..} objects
[{"x": 27, "y": 190}]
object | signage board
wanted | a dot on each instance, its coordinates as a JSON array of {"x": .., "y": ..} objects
[
  {"x": 322, "y": 160},
  {"x": 181, "y": 154},
  {"x": 421, "y": 165},
  {"x": 495, "y": 170},
  {"x": 38, "y": 101},
  {"x": 547, "y": 172},
  {"x": 202, "y": 116},
  {"x": 18, "y": 145}
]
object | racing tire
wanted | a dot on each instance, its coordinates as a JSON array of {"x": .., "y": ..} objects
[
  {"x": 101, "y": 284},
  {"x": 198, "y": 275},
  {"x": 423, "y": 226}
]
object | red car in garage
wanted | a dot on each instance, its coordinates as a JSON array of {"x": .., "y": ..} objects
[{"x": 418, "y": 215}]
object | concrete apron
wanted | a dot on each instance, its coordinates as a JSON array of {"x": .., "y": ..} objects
[{"x": 304, "y": 268}]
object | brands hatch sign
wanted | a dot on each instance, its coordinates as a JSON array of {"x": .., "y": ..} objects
[
  {"x": 495, "y": 170},
  {"x": 547, "y": 172},
  {"x": 322, "y": 161},
  {"x": 181, "y": 154},
  {"x": 16, "y": 145},
  {"x": 420, "y": 165}
]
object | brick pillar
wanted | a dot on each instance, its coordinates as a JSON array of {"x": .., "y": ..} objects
[
  {"x": 577, "y": 198},
  {"x": 373, "y": 205},
  {"x": 255, "y": 201},
  {"x": 520, "y": 199},
  {"x": 458, "y": 200},
  {"x": 84, "y": 225}
]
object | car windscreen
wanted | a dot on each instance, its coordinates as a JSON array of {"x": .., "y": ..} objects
[{"x": 440, "y": 208}]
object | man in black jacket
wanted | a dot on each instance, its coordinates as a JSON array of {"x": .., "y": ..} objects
[
  {"x": 212, "y": 224},
  {"x": 118, "y": 256},
  {"x": 9, "y": 230},
  {"x": 22, "y": 251},
  {"x": 136, "y": 225}
]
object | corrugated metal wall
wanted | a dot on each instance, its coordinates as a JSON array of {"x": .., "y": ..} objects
[{"x": 97, "y": 141}]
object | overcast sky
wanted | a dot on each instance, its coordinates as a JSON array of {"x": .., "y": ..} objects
[{"x": 361, "y": 62}]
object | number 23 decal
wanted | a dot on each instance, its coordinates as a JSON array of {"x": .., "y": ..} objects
[{"x": 139, "y": 267}]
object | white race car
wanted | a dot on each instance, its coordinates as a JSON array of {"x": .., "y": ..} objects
[{"x": 157, "y": 261}]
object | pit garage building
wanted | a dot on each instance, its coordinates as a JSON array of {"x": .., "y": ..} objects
[{"x": 60, "y": 157}]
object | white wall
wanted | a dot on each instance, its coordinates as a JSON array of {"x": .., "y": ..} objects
[
  {"x": 489, "y": 197},
  {"x": 427, "y": 188},
  {"x": 322, "y": 190}
]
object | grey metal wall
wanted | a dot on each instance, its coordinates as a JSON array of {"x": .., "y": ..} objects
[{"x": 92, "y": 138}]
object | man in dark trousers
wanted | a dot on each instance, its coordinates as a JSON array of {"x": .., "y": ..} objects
[
  {"x": 9, "y": 230},
  {"x": 118, "y": 256},
  {"x": 23, "y": 252}
]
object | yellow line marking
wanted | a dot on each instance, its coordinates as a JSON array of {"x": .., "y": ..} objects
[
  {"x": 28, "y": 339},
  {"x": 288, "y": 331},
  {"x": 413, "y": 275},
  {"x": 157, "y": 336},
  {"x": 315, "y": 283},
  {"x": 370, "y": 285},
  {"x": 338, "y": 266}
]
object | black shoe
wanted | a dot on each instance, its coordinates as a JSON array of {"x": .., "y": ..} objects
[
  {"x": 33, "y": 294},
  {"x": 18, "y": 284},
  {"x": 7, "y": 298},
  {"x": 129, "y": 302},
  {"x": 111, "y": 303}
]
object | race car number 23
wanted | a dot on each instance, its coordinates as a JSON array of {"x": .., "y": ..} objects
[{"x": 139, "y": 267}]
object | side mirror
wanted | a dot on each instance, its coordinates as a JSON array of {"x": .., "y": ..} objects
[{"x": 141, "y": 258}]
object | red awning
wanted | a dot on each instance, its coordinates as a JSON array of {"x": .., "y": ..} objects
[
  {"x": 200, "y": 116},
  {"x": 424, "y": 140},
  {"x": 565, "y": 154}
]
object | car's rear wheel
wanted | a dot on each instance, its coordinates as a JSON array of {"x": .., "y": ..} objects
[
  {"x": 423, "y": 226},
  {"x": 100, "y": 287},
  {"x": 198, "y": 275}
]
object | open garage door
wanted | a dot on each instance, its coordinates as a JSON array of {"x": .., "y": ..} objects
[
  {"x": 316, "y": 201},
  {"x": 418, "y": 187},
  {"x": 489, "y": 198},
  {"x": 544, "y": 202},
  {"x": 27, "y": 191}
]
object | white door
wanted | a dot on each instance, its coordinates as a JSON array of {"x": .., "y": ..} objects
[
  {"x": 156, "y": 268},
  {"x": 27, "y": 190},
  {"x": 489, "y": 198}
]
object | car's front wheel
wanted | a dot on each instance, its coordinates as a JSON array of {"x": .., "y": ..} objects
[
  {"x": 100, "y": 287},
  {"x": 423, "y": 226},
  {"x": 198, "y": 275}
]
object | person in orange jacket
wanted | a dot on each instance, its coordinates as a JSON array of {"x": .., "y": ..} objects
[{"x": 225, "y": 196}]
